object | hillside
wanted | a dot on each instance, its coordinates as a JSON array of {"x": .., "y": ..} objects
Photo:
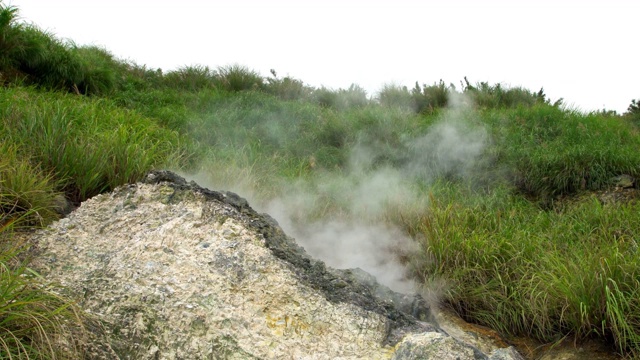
[{"x": 511, "y": 209}]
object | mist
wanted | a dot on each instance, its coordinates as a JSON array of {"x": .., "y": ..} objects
[{"x": 346, "y": 218}]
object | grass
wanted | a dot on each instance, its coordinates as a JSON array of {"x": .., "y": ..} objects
[
  {"x": 501, "y": 183},
  {"x": 35, "y": 322},
  {"x": 545, "y": 274},
  {"x": 25, "y": 192},
  {"x": 237, "y": 77},
  {"x": 566, "y": 268},
  {"x": 89, "y": 146},
  {"x": 483, "y": 237},
  {"x": 555, "y": 152}
]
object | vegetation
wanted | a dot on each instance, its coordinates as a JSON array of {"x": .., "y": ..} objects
[
  {"x": 633, "y": 112},
  {"x": 35, "y": 322},
  {"x": 88, "y": 145},
  {"x": 571, "y": 271},
  {"x": 509, "y": 208}
]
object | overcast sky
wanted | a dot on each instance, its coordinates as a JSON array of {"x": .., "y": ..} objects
[{"x": 583, "y": 51}]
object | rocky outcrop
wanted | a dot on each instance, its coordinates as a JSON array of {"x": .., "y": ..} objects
[{"x": 176, "y": 271}]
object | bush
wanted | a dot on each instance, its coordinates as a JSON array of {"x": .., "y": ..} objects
[
  {"x": 395, "y": 96},
  {"x": 238, "y": 78},
  {"x": 37, "y": 57},
  {"x": 497, "y": 97},
  {"x": 425, "y": 99},
  {"x": 136, "y": 77},
  {"x": 11, "y": 39},
  {"x": 191, "y": 78},
  {"x": 49, "y": 62},
  {"x": 341, "y": 99},
  {"x": 429, "y": 98},
  {"x": 99, "y": 70},
  {"x": 633, "y": 112},
  {"x": 326, "y": 98},
  {"x": 286, "y": 88}
]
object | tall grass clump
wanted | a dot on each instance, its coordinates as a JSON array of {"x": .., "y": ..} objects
[
  {"x": 88, "y": 146},
  {"x": 544, "y": 274},
  {"x": 341, "y": 99},
  {"x": 163, "y": 98},
  {"x": 139, "y": 78},
  {"x": 50, "y": 62},
  {"x": 30, "y": 55},
  {"x": 286, "y": 88},
  {"x": 427, "y": 99},
  {"x": 397, "y": 96},
  {"x": 237, "y": 77},
  {"x": 633, "y": 112},
  {"x": 26, "y": 193},
  {"x": 100, "y": 71},
  {"x": 486, "y": 96},
  {"x": 557, "y": 152},
  {"x": 35, "y": 322},
  {"x": 327, "y": 98},
  {"x": 12, "y": 42},
  {"x": 33, "y": 56},
  {"x": 191, "y": 78}
]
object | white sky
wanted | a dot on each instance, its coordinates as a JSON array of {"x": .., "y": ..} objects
[{"x": 583, "y": 51}]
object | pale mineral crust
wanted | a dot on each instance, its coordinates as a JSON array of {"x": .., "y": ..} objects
[
  {"x": 175, "y": 271},
  {"x": 178, "y": 272}
]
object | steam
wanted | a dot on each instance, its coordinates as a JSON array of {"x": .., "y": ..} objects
[
  {"x": 451, "y": 148},
  {"x": 357, "y": 235},
  {"x": 341, "y": 217}
]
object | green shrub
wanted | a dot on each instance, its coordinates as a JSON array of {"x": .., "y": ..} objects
[
  {"x": 354, "y": 97},
  {"x": 50, "y": 62},
  {"x": 191, "y": 78},
  {"x": 326, "y": 98},
  {"x": 395, "y": 96},
  {"x": 421, "y": 99},
  {"x": 427, "y": 99},
  {"x": 238, "y": 78},
  {"x": 134, "y": 77},
  {"x": 11, "y": 39},
  {"x": 497, "y": 97},
  {"x": 100, "y": 70},
  {"x": 341, "y": 99},
  {"x": 39, "y": 58},
  {"x": 286, "y": 88},
  {"x": 633, "y": 112}
]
